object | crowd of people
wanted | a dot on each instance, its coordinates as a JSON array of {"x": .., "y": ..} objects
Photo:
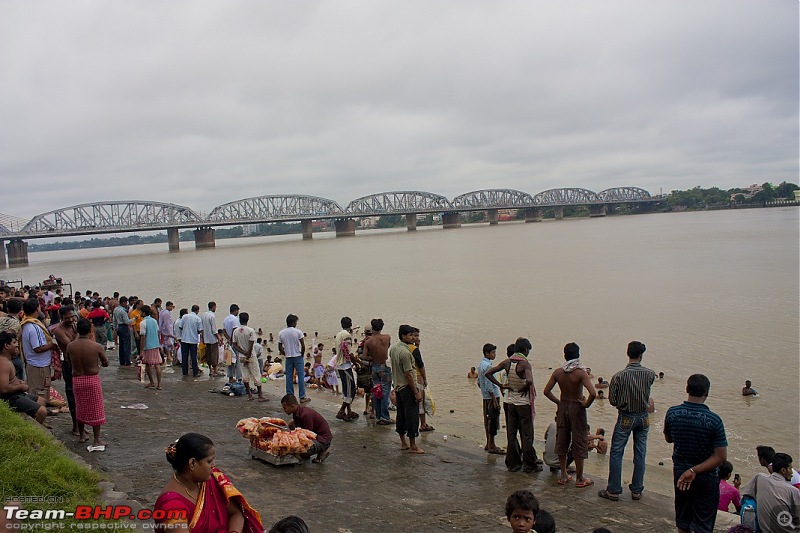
[
  {"x": 46, "y": 335},
  {"x": 700, "y": 466}
]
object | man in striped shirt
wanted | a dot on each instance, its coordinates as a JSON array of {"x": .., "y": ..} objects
[{"x": 629, "y": 392}]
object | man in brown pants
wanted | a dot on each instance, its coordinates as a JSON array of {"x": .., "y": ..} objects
[{"x": 571, "y": 423}]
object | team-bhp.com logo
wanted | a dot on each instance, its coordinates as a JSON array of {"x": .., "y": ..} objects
[{"x": 93, "y": 512}]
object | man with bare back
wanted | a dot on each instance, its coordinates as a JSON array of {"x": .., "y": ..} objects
[
  {"x": 84, "y": 355},
  {"x": 376, "y": 349},
  {"x": 572, "y": 426},
  {"x": 66, "y": 332},
  {"x": 13, "y": 390}
]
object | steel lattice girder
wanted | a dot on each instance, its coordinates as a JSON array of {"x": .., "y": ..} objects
[
  {"x": 493, "y": 198},
  {"x": 561, "y": 197},
  {"x": 625, "y": 194},
  {"x": 102, "y": 216},
  {"x": 275, "y": 207},
  {"x": 399, "y": 202},
  {"x": 4, "y": 230}
]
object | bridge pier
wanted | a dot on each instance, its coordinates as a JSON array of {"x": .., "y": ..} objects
[
  {"x": 307, "y": 227},
  {"x": 451, "y": 220},
  {"x": 17, "y": 253},
  {"x": 492, "y": 216},
  {"x": 204, "y": 238},
  {"x": 533, "y": 214},
  {"x": 611, "y": 209},
  {"x": 2, "y": 253},
  {"x": 597, "y": 211},
  {"x": 174, "y": 239},
  {"x": 411, "y": 221},
  {"x": 559, "y": 212},
  {"x": 345, "y": 227}
]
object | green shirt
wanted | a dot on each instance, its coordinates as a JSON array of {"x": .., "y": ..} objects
[{"x": 402, "y": 362}]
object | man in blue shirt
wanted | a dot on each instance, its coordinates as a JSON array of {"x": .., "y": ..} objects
[
  {"x": 699, "y": 448},
  {"x": 491, "y": 400}
]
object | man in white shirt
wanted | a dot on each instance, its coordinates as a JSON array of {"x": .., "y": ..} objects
[
  {"x": 258, "y": 352},
  {"x": 292, "y": 346},
  {"x": 211, "y": 338},
  {"x": 166, "y": 330},
  {"x": 244, "y": 338},
  {"x": 345, "y": 356},
  {"x": 191, "y": 330},
  {"x": 231, "y": 322}
]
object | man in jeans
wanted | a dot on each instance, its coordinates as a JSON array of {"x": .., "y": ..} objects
[
  {"x": 292, "y": 346},
  {"x": 376, "y": 349},
  {"x": 629, "y": 392}
]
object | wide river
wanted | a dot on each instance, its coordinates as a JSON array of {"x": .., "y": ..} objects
[{"x": 709, "y": 292}]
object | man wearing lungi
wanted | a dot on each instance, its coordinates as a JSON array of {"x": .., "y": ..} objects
[{"x": 84, "y": 355}]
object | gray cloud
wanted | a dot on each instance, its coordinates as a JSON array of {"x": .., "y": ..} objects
[{"x": 201, "y": 103}]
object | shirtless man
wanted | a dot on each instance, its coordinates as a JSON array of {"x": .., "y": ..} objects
[
  {"x": 748, "y": 389},
  {"x": 571, "y": 415},
  {"x": 13, "y": 390},
  {"x": 376, "y": 349},
  {"x": 83, "y": 354},
  {"x": 65, "y": 333}
]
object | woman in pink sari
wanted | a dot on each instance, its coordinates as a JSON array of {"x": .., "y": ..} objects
[{"x": 198, "y": 496}]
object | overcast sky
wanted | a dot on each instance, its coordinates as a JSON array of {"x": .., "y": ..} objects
[{"x": 201, "y": 103}]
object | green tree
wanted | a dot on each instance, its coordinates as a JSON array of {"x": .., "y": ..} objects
[
  {"x": 476, "y": 216},
  {"x": 390, "y": 221},
  {"x": 786, "y": 190},
  {"x": 767, "y": 194}
]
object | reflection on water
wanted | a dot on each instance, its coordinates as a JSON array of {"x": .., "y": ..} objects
[{"x": 711, "y": 292}]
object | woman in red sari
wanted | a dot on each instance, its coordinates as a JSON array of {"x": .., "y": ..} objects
[{"x": 199, "y": 497}]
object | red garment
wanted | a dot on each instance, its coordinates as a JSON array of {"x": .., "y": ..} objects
[
  {"x": 88, "y": 392},
  {"x": 55, "y": 358},
  {"x": 210, "y": 514},
  {"x": 98, "y": 314},
  {"x": 151, "y": 357}
]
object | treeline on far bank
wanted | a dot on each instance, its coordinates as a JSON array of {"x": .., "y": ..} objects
[
  {"x": 699, "y": 198},
  {"x": 693, "y": 199}
]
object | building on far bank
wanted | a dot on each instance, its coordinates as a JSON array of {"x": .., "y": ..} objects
[{"x": 748, "y": 192}]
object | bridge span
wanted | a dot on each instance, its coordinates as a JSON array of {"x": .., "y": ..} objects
[{"x": 140, "y": 215}]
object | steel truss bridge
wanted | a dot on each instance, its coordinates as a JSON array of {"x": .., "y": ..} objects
[{"x": 132, "y": 216}]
